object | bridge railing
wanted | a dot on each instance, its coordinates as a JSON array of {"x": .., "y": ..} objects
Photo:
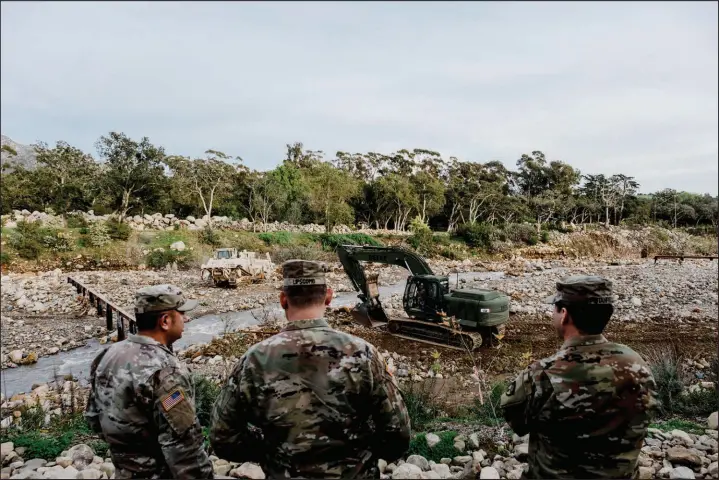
[{"x": 115, "y": 316}]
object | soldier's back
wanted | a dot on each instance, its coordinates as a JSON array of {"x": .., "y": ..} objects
[
  {"x": 597, "y": 414},
  {"x": 123, "y": 400},
  {"x": 312, "y": 394}
]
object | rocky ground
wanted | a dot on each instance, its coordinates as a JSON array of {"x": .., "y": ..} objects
[{"x": 484, "y": 452}]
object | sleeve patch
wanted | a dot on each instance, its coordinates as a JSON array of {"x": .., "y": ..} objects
[{"x": 173, "y": 399}]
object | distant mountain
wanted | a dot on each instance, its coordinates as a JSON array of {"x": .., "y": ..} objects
[{"x": 25, "y": 154}]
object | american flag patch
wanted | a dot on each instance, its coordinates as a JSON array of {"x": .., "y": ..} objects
[{"x": 172, "y": 399}]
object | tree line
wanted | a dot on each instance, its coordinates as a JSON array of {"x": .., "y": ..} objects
[{"x": 389, "y": 191}]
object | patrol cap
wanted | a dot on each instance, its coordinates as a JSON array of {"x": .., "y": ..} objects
[
  {"x": 303, "y": 272},
  {"x": 590, "y": 289},
  {"x": 157, "y": 298}
]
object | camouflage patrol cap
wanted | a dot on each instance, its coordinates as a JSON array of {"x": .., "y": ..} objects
[
  {"x": 583, "y": 288},
  {"x": 157, "y": 298},
  {"x": 303, "y": 272}
]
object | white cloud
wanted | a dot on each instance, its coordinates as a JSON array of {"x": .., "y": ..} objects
[{"x": 607, "y": 87}]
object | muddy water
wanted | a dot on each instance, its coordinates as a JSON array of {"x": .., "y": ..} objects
[{"x": 77, "y": 362}]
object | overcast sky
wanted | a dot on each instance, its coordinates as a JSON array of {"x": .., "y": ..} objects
[{"x": 607, "y": 87}]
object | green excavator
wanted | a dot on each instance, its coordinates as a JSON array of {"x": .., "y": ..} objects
[{"x": 462, "y": 319}]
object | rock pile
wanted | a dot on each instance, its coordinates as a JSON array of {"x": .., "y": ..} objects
[
  {"x": 169, "y": 221},
  {"x": 668, "y": 455}
]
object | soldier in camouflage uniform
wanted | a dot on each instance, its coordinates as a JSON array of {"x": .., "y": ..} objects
[
  {"x": 587, "y": 407},
  {"x": 310, "y": 402},
  {"x": 141, "y": 398}
]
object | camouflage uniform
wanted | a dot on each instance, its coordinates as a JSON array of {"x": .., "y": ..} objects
[
  {"x": 141, "y": 402},
  {"x": 310, "y": 401},
  {"x": 587, "y": 407}
]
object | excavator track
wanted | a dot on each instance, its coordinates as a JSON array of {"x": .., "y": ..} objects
[{"x": 434, "y": 334}]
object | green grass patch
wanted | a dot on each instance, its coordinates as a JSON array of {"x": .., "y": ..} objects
[
  {"x": 444, "y": 449},
  {"x": 330, "y": 241},
  {"x": 165, "y": 238},
  {"x": 50, "y": 441},
  {"x": 161, "y": 258},
  {"x": 277, "y": 238},
  {"x": 488, "y": 413},
  {"x": 421, "y": 404},
  {"x": 206, "y": 392},
  {"x": 679, "y": 424}
]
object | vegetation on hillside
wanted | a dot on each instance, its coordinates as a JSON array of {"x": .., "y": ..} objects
[{"x": 131, "y": 177}]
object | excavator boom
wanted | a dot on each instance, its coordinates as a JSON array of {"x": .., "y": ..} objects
[{"x": 370, "y": 312}]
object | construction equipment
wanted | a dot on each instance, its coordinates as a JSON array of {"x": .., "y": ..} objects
[
  {"x": 460, "y": 319},
  {"x": 228, "y": 267}
]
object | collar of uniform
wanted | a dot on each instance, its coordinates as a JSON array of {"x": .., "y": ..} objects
[
  {"x": 145, "y": 340},
  {"x": 582, "y": 340},
  {"x": 302, "y": 324}
]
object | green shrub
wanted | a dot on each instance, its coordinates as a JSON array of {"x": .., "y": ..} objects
[
  {"x": 330, "y": 241},
  {"x": 76, "y": 221},
  {"x": 41, "y": 441},
  {"x": 422, "y": 239},
  {"x": 206, "y": 392},
  {"x": 209, "y": 236},
  {"x": 489, "y": 412},
  {"x": 521, "y": 233},
  {"x": 117, "y": 230},
  {"x": 304, "y": 252},
  {"x": 27, "y": 240},
  {"x": 98, "y": 234},
  {"x": 476, "y": 235},
  {"x": 161, "y": 258},
  {"x": 4, "y": 258},
  {"x": 669, "y": 375},
  {"x": 545, "y": 236},
  {"x": 421, "y": 404},
  {"x": 444, "y": 449},
  {"x": 56, "y": 240},
  {"x": 276, "y": 238}
]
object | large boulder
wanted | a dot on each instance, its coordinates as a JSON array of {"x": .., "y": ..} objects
[
  {"x": 489, "y": 473},
  {"x": 683, "y": 456},
  {"x": 419, "y": 461},
  {"x": 681, "y": 473},
  {"x": 248, "y": 470},
  {"x": 713, "y": 421},
  {"x": 407, "y": 471}
]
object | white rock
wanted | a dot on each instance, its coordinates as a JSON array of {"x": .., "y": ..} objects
[
  {"x": 16, "y": 356},
  {"x": 89, "y": 473},
  {"x": 430, "y": 475},
  {"x": 407, "y": 471},
  {"x": 489, "y": 473},
  {"x": 432, "y": 440},
  {"x": 713, "y": 469},
  {"x": 108, "y": 469},
  {"x": 5, "y": 449},
  {"x": 381, "y": 465},
  {"x": 419, "y": 461},
  {"x": 178, "y": 246},
  {"x": 713, "y": 421},
  {"x": 474, "y": 441},
  {"x": 636, "y": 301},
  {"x": 681, "y": 473},
  {"x": 442, "y": 470},
  {"x": 248, "y": 470},
  {"x": 683, "y": 436},
  {"x": 646, "y": 473}
]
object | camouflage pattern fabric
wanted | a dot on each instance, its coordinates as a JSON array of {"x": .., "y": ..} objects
[
  {"x": 303, "y": 272},
  {"x": 142, "y": 404},
  {"x": 587, "y": 409},
  {"x": 590, "y": 289},
  {"x": 310, "y": 402},
  {"x": 158, "y": 298}
]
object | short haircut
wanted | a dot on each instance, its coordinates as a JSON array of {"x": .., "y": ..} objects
[
  {"x": 302, "y": 296},
  {"x": 148, "y": 320},
  {"x": 589, "y": 318}
]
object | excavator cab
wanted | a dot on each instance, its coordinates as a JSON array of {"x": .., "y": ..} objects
[{"x": 424, "y": 296}]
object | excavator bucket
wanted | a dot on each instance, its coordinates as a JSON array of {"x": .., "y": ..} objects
[{"x": 370, "y": 314}]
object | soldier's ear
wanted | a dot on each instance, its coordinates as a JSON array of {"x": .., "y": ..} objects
[
  {"x": 164, "y": 321},
  {"x": 328, "y": 296},
  {"x": 283, "y": 300}
]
